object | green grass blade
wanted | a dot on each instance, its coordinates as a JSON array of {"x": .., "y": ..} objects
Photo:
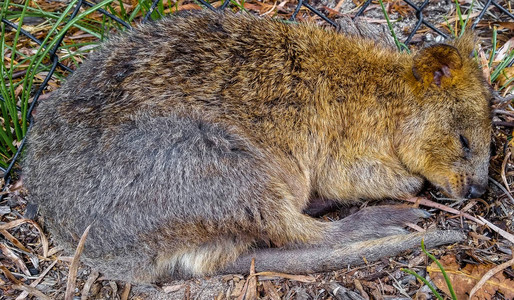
[
  {"x": 450, "y": 27},
  {"x": 160, "y": 7},
  {"x": 400, "y": 46},
  {"x": 32, "y": 70},
  {"x": 459, "y": 13},
  {"x": 501, "y": 66},
  {"x": 123, "y": 12},
  {"x": 436, "y": 294},
  {"x": 11, "y": 101},
  {"x": 43, "y": 52},
  {"x": 448, "y": 282},
  {"x": 7, "y": 88},
  {"x": 135, "y": 12},
  {"x": 468, "y": 17}
]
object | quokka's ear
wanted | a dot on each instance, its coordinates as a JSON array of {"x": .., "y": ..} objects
[
  {"x": 466, "y": 43},
  {"x": 433, "y": 63}
]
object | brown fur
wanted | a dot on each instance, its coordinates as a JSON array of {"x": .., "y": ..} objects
[{"x": 189, "y": 141}]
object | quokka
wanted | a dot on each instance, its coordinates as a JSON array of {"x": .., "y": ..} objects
[{"x": 190, "y": 143}]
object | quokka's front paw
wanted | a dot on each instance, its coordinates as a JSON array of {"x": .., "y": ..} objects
[{"x": 374, "y": 222}]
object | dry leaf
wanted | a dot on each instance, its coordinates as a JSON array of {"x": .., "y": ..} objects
[
  {"x": 251, "y": 292},
  {"x": 73, "y": 269},
  {"x": 34, "y": 283},
  {"x": 14, "y": 240},
  {"x": 126, "y": 292},
  {"x": 504, "y": 51},
  {"x": 8, "y": 253},
  {"x": 271, "y": 291},
  {"x": 463, "y": 280},
  {"x": 485, "y": 65},
  {"x": 507, "y": 25},
  {"x": 31, "y": 291},
  {"x": 238, "y": 289},
  {"x": 12, "y": 224}
]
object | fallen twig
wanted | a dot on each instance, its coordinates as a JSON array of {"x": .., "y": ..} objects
[
  {"x": 504, "y": 124},
  {"x": 505, "y": 234},
  {"x": 504, "y": 166},
  {"x": 426, "y": 202},
  {"x": 503, "y": 112},
  {"x": 478, "y": 220}
]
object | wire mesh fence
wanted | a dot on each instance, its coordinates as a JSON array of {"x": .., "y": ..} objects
[{"x": 422, "y": 21}]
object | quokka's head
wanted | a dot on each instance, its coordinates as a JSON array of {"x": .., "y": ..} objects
[{"x": 447, "y": 139}]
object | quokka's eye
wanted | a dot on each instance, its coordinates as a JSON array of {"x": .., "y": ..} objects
[{"x": 465, "y": 145}]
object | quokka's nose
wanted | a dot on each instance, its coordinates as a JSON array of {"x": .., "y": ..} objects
[{"x": 475, "y": 191}]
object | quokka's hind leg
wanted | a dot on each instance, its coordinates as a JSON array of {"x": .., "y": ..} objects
[
  {"x": 371, "y": 233},
  {"x": 373, "y": 222},
  {"x": 323, "y": 259},
  {"x": 370, "y": 223},
  {"x": 313, "y": 245},
  {"x": 290, "y": 229}
]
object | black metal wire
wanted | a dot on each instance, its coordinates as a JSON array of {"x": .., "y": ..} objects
[
  {"x": 320, "y": 14},
  {"x": 363, "y": 8},
  {"x": 301, "y": 3},
  {"x": 296, "y": 10},
  {"x": 151, "y": 10},
  {"x": 55, "y": 61},
  {"x": 108, "y": 14},
  {"x": 224, "y": 5},
  {"x": 482, "y": 13},
  {"x": 207, "y": 4},
  {"x": 36, "y": 40},
  {"x": 503, "y": 9},
  {"x": 419, "y": 15}
]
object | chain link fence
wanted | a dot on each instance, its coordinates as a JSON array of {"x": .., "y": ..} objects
[{"x": 424, "y": 13}]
